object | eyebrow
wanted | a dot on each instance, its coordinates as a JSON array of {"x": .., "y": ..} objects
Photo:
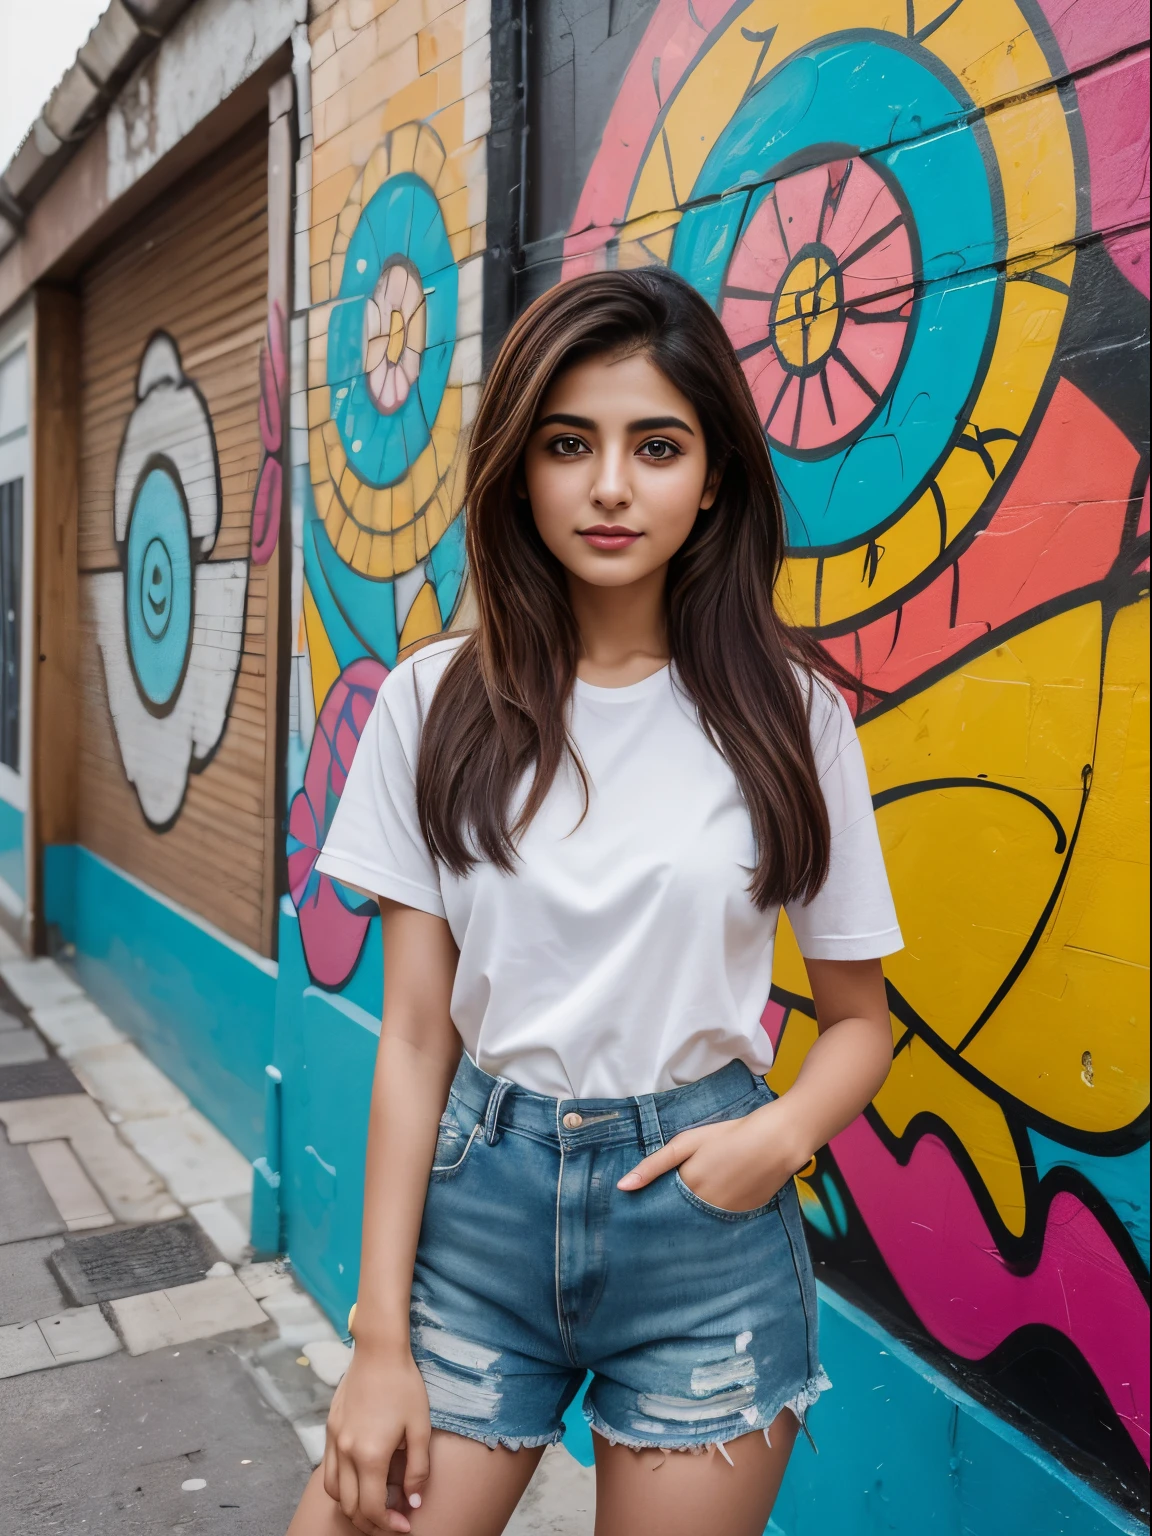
[{"x": 586, "y": 424}]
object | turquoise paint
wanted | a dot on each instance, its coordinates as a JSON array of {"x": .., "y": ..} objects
[
  {"x": 1123, "y": 1181},
  {"x": 200, "y": 1005},
  {"x": 844, "y": 94},
  {"x": 903, "y": 1450},
  {"x": 12, "y": 848},
  {"x": 325, "y": 1050}
]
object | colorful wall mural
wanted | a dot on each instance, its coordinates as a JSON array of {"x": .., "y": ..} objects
[
  {"x": 397, "y": 234},
  {"x": 925, "y": 228}
]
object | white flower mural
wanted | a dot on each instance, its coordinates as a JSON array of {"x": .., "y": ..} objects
[{"x": 170, "y": 621}]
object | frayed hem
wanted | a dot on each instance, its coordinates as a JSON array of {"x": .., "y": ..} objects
[
  {"x": 798, "y": 1405},
  {"x": 496, "y": 1442}
]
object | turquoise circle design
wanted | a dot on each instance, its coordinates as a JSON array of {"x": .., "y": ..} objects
[
  {"x": 158, "y": 586},
  {"x": 402, "y": 218},
  {"x": 842, "y": 95}
]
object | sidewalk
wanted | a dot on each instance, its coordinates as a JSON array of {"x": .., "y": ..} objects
[{"x": 151, "y": 1376}]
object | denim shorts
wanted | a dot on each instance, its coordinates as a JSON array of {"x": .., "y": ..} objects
[{"x": 697, "y": 1324}]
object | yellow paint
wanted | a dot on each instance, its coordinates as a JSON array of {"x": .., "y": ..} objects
[
  {"x": 922, "y": 1083},
  {"x": 1086, "y": 987},
  {"x": 423, "y": 618},
  {"x": 321, "y": 657},
  {"x": 806, "y": 313}
]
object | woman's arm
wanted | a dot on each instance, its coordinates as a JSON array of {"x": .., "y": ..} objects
[
  {"x": 740, "y": 1164},
  {"x": 381, "y": 1404}
]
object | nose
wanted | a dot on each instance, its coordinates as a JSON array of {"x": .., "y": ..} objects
[{"x": 611, "y": 489}]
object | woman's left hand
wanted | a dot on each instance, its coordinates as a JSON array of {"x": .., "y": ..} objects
[{"x": 736, "y": 1165}]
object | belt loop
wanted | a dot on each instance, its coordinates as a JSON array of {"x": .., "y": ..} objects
[
  {"x": 651, "y": 1134},
  {"x": 492, "y": 1116}
]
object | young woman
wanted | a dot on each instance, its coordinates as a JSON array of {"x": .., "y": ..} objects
[{"x": 582, "y": 820}]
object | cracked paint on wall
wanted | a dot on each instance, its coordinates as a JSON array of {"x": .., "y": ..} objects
[{"x": 932, "y": 259}]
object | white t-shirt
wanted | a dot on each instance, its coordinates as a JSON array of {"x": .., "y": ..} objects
[{"x": 624, "y": 955}]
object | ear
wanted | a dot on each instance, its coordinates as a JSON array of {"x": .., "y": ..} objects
[{"x": 711, "y": 487}]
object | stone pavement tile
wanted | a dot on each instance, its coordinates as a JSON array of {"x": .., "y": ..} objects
[
  {"x": 20, "y": 1045},
  {"x": 9, "y": 1021},
  {"x": 23, "y": 1348},
  {"x": 196, "y": 1311},
  {"x": 72, "y": 1191},
  {"x": 559, "y": 1501},
  {"x": 26, "y": 1208},
  {"x": 125, "y": 1082},
  {"x": 224, "y": 1227},
  {"x": 265, "y": 1278},
  {"x": 291, "y": 1388},
  {"x": 329, "y": 1359},
  {"x": 101, "y": 1449},
  {"x": 132, "y": 1191},
  {"x": 75, "y": 1024},
  {"x": 37, "y": 982},
  {"x": 191, "y": 1156},
  {"x": 80, "y": 1333},
  {"x": 297, "y": 1316},
  {"x": 27, "y": 1288},
  {"x": 312, "y": 1433}
]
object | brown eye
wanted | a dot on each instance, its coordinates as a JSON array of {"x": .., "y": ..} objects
[
  {"x": 659, "y": 448},
  {"x": 568, "y": 446}
]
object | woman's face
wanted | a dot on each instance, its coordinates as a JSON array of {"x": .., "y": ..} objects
[{"x": 616, "y": 469}]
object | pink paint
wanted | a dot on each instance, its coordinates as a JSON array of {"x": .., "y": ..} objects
[
  {"x": 1091, "y": 30},
  {"x": 929, "y": 1230},
  {"x": 331, "y": 933},
  {"x": 1058, "y": 529},
  {"x": 772, "y": 1020},
  {"x": 1114, "y": 109},
  {"x": 667, "y": 51},
  {"x": 815, "y": 387}
]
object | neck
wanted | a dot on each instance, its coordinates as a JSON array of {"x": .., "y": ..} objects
[{"x": 623, "y": 630}]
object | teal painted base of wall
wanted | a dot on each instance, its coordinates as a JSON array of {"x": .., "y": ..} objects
[
  {"x": 902, "y": 1450},
  {"x": 201, "y": 1005},
  {"x": 12, "y": 862}
]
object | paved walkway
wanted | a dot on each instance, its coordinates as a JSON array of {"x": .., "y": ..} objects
[{"x": 152, "y": 1378}]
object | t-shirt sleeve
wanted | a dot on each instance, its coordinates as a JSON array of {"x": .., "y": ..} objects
[
  {"x": 852, "y": 916},
  {"x": 374, "y": 843}
]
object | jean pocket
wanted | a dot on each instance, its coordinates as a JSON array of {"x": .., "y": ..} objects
[
  {"x": 458, "y": 1132},
  {"x": 719, "y": 1212},
  {"x": 759, "y": 1095}
]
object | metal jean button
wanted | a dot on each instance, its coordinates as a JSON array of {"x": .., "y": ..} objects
[{"x": 573, "y": 1121}]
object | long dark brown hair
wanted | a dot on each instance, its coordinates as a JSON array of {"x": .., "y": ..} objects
[{"x": 501, "y": 708}]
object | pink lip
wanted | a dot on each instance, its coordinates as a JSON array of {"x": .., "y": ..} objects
[{"x": 604, "y": 537}]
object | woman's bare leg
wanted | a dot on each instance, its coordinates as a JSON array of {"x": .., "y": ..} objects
[
  {"x": 676, "y": 1493},
  {"x": 471, "y": 1491}
]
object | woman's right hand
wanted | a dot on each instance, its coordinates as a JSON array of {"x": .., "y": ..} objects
[{"x": 376, "y": 1455}]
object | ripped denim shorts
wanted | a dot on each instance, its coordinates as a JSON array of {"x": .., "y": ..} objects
[{"x": 697, "y": 1324}]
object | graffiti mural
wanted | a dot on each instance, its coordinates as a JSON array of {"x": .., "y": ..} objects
[
  {"x": 925, "y": 229},
  {"x": 394, "y": 374},
  {"x": 170, "y": 621}
]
